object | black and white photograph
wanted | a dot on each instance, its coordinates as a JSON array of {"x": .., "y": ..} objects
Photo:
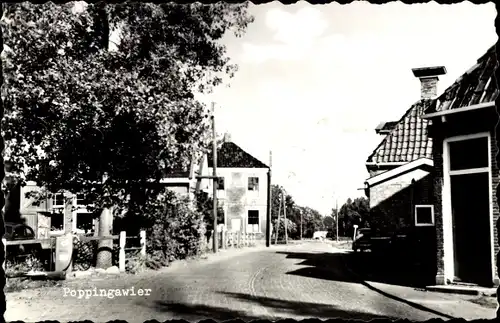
[{"x": 241, "y": 161}]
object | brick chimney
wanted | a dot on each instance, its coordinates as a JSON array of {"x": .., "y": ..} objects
[
  {"x": 227, "y": 137},
  {"x": 429, "y": 77}
]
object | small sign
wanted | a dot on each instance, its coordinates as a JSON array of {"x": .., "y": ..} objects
[{"x": 64, "y": 250}]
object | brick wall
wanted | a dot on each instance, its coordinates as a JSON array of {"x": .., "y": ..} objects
[
  {"x": 392, "y": 202},
  {"x": 468, "y": 123}
]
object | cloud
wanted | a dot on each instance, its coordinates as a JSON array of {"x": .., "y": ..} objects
[
  {"x": 296, "y": 29},
  {"x": 294, "y": 35}
]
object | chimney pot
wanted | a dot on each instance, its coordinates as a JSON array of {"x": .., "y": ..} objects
[
  {"x": 429, "y": 77},
  {"x": 227, "y": 137}
]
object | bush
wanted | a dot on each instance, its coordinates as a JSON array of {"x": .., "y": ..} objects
[
  {"x": 174, "y": 229},
  {"x": 28, "y": 263}
]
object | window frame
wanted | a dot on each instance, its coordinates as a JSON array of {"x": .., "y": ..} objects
[
  {"x": 254, "y": 184},
  {"x": 54, "y": 199},
  {"x": 219, "y": 180},
  {"x": 466, "y": 170},
  {"x": 422, "y": 206},
  {"x": 84, "y": 200},
  {"x": 57, "y": 213},
  {"x": 252, "y": 225}
]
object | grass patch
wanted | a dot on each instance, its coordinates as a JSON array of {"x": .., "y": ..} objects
[
  {"x": 21, "y": 283},
  {"x": 486, "y": 301}
]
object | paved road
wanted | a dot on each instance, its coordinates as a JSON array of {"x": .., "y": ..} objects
[{"x": 280, "y": 282}]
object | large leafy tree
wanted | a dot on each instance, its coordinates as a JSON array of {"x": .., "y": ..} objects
[
  {"x": 108, "y": 122},
  {"x": 354, "y": 212}
]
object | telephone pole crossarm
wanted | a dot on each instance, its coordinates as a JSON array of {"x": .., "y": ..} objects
[{"x": 208, "y": 177}]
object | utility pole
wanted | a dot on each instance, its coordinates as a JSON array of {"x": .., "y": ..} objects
[
  {"x": 214, "y": 152},
  {"x": 300, "y": 224},
  {"x": 278, "y": 223},
  {"x": 284, "y": 215},
  {"x": 337, "y": 218},
  {"x": 214, "y": 179},
  {"x": 269, "y": 202}
]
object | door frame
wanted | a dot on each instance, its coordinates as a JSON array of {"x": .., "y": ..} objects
[{"x": 449, "y": 257}]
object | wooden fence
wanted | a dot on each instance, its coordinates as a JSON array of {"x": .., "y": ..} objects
[
  {"x": 49, "y": 243},
  {"x": 230, "y": 239},
  {"x": 124, "y": 249}
]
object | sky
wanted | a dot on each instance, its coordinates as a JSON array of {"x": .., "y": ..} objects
[{"x": 315, "y": 80}]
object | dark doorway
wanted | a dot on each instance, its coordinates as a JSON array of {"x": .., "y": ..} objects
[{"x": 471, "y": 228}]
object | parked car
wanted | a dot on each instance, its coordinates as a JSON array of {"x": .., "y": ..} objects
[
  {"x": 16, "y": 232},
  {"x": 366, "y": 239},
  {"x": 362, "y": 240}
]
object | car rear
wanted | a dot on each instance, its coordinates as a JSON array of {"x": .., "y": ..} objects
[{"x": 362, "y": 241}]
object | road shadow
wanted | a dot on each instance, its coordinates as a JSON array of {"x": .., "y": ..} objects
[
  {"x": 287, "y": 308},
  {"x": 197, "y": 312},
  {"x": 394, "y": 269},
  {"x": 361, "y": 267}
]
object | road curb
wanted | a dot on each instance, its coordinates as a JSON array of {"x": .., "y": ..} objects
[
  {"x": 389, "y": 295},
  {"x": 465, "y": 290}
]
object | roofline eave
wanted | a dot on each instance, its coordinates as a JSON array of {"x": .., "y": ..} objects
[
  {"x": 399, "y": 170},
  {"x": 459, "y": 110}
]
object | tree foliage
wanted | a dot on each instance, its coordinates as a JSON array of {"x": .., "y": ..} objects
[
  {"x": 352, "y": 213},
  {"x": 83, "y": 117},
  {"x": 204, "y": 205},
  {"x": 174, "y": 229},
  {"x": 312, "y": 220}
]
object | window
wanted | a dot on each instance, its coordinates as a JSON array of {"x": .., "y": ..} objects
[
  {"x": 467, "y": 154},
  {"x": 253, "y": 221},
  {"x": 424, "y": 215},
  {"x": 85, "y": 222},
  {"x": 220, "y": 183},
  {"x": 253, "y": 183},
  {"x": 58, "y": 200},
  {"x": 57, "y": 221},
  {"x": 81, "y": 200},
  {"x": 23, "y": 233}
]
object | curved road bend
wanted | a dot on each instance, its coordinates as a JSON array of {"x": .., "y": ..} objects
[{"x": 301, "y": 281}]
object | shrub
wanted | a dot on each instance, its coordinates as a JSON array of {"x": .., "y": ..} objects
[
  {"x": 174, "y": 229},
  {"x": 28, "y": 263}
]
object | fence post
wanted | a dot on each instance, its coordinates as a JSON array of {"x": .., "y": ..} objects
[
  {"x": 121, "y": 257},
  {"x": 239, "y": 238},
  {"x": 143, "y": 243},
  {"x": 210, "y": 240},
  {"x": 4, "y": 241},
  {"x": 223, "y": 237}
]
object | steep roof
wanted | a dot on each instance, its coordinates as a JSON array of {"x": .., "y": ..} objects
[
  {"x": 408, "y": 140},
  {"x": 230, "y": 155},
  {"x": 475, "y": 86}
]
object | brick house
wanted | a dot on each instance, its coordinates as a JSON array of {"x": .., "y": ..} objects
[
  {"x": 46, "y": 216},
  {"x": 242, "y": 189},
  {"x": 422, "y": 172},
  {"x": 463, "y": 121}
]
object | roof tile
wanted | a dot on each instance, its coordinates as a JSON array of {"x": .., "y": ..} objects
[
  {"x": 230, "y": 155},
  {"x": 475, "y": 86},
  {"x": 406, "y": 142}
]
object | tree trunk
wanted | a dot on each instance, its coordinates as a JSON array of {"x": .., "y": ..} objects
[
  {"x": 105, "y": 247},
  {"x": 3, "y": 304},
  {"x": 68, "y": 213}
]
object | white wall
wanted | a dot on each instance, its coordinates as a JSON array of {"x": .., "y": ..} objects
[
  {"x": 237, "y": 200},
  {"x": 383, "y": 191}
]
